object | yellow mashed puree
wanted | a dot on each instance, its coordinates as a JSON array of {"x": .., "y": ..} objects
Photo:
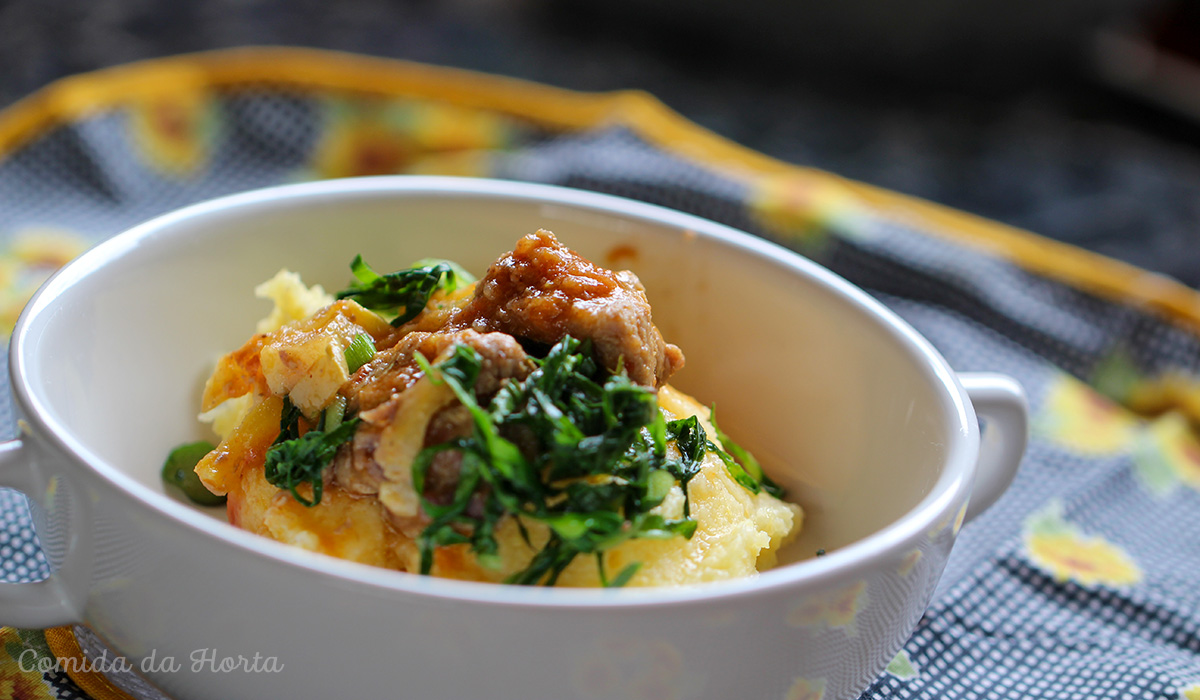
[{"x": 299, "y": 353}]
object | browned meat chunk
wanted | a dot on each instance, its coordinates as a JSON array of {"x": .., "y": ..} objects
[
  {"x": 393, "y": 370},
  {"x": 542, "y": 291},
  {"x": 442, "y": 478},
  {"x": 377, "y": 392}
]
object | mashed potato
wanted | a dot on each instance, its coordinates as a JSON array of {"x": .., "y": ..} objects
[{"x": 364, "y": 505}]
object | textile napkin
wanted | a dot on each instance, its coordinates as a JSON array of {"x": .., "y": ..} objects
[{"x": 1082, "y": 581}]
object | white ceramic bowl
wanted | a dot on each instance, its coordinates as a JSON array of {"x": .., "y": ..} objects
[{"x": 848, "y": 407}]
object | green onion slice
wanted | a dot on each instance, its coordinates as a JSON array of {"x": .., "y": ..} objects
[
  {"x": 360, "y": 351},
  {"x": 180, "y": 471}
]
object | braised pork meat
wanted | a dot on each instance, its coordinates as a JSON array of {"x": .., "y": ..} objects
[{"x": 543, "y": 291}]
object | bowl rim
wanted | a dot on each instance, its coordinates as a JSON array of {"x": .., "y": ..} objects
[{"x": 854, "y": 559}]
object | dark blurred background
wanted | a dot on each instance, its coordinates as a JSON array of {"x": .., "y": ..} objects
[{"x": 1077, "y": 119}]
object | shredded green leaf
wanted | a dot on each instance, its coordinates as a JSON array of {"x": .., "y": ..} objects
[
  {"x": 405, "y": 292},
  {"x": 295, "y": 459},
  {"x": 621, "y": 578},
  {"x": 461, "y": 276},
  {"x": 693, "y": 444},
  {"x": 747, "y": 460},
  {"x": 592, "y": 468},
  {"x": 593, "y": 464}
]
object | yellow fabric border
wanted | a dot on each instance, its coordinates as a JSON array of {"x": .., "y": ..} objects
[
  {"x": 78, "y": 96},
  {"x": 65, "y": 647}
]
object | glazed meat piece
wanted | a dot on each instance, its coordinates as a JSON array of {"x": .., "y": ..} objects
[
  {"x": 393, "y": 370},
  {"x": 542, "y": 291},
  {"x": 402, "y": 412}
]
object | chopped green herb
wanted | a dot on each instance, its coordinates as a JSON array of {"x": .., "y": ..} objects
[
  {"x": 289, "y": 421},
  {"x": 693, "y": 443},
  {"x": 658, "y": 484},
  {"x": 594, "y": 464},
  {"x": 690, "y": 440},
  {"x": 622, "y": 578},
  {"x": 180, "y": 471},
  {"x": 461, "y": 276},
  {"x": 404, "y": 292},
  {"x": 295, "y": 459},
  {"x": 747, "y": 460},
  {"x": 359, "y": 352}
]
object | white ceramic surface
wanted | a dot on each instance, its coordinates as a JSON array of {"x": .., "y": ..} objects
[{"x": 847, "y": 407}]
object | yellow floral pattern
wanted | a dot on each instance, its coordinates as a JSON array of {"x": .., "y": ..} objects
[
  {"x": 1059, "y": 548},
  {"x": 32, "y": 255},
  {"x": 805, "y": 689},
  {"x": 909, "y": 563},
  {"x": 1167, "y": 454},
  {"x": 1079, "y": 418},
  {"x": 19, "y": 677},
  {"x": 837, "y": 609},
  {"x": 621, "y": 669},
  {"x": 806, "y": 208},
  {"x": 961, "y": 516},
  {"x": 174, "y": 130},
  {"x": 1191, "y": 692},
  {"x": 1147, "y": 393},
  {"x": 902, "y": 667},
  {"x": 1173, "y": 390},
  {"x": 383, "y": 138}
]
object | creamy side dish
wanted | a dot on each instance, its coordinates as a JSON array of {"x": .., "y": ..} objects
[{"x": 519, "y": 428}]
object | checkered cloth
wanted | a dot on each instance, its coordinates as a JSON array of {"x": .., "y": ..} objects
[{"x": 1082, "y": 581}]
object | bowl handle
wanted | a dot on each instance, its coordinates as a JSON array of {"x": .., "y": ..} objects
[
  {"x": 1000, "y": 401},
  {"x": 36, "y": 604}
]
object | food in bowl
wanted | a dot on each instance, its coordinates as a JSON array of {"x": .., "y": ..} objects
[
  {"x": 519, "y": 428},
  {"x": 873, "y": 433}
]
